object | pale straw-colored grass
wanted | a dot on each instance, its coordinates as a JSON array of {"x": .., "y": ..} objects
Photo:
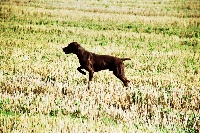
[{"x": 41, "y": 90}]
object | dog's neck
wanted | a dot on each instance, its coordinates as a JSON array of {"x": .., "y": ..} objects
[{"x": 81, "y": 51}]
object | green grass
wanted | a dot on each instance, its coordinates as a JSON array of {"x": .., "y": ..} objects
[{"x": 41, "y": 90}]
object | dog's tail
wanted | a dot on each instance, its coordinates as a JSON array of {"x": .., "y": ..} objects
[{"x": 123, "y": 59}]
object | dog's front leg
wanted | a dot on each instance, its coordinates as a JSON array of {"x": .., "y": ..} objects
[
  {"x": 81, "y": 71},
  {"x": 90, "y": 77}
]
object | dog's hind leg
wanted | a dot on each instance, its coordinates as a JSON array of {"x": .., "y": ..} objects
[
  {"x": 119, "y": 73},
  {"x": 123, "y": 79}
]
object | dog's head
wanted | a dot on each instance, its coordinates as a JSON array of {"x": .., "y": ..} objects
[{"x": 71, "y": 48}]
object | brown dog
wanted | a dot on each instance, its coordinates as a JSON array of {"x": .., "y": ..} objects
[{"x": 92, "y": 62}]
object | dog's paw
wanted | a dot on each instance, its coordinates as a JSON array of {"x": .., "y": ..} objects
[{"x": 84, "y": 73}]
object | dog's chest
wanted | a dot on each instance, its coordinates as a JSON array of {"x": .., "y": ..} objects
[{"x": 84, "y": 59}]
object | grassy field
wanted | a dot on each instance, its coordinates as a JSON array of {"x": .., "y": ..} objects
[{"x": 41, "y": 90}]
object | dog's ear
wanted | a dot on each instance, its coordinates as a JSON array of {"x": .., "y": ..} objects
[{"x": 77, "y": 45}]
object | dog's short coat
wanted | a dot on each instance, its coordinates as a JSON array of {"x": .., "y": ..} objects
[{"x": 92, "y": 62}]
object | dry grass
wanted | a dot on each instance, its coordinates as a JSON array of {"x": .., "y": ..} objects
[{"x": 41, "y": 90}]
